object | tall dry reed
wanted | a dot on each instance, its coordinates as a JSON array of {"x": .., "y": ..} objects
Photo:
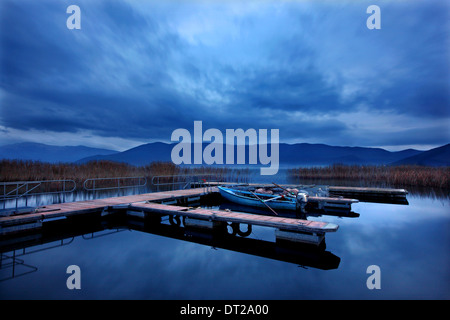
[
  {"x": 406, "y": 175},
  {"x": 17, "y": 170}
]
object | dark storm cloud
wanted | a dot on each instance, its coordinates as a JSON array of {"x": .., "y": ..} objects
[
  {"x": 139, "y": 70},
  {"x": 287, "y": 90},
  {"x": 48, "y": 73},
  {"x": 411, "y": 60},
  {"x": 31, "y": 45}
]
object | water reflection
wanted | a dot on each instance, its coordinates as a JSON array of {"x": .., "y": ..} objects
[
  {"x": 303, "y": 255},
  {"x": 61, "y": 233},
  {"x": 140, "y": 259},
  {"x": 409, "y": 243}
]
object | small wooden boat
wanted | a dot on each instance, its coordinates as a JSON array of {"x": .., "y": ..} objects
[
  {"x": 253, "y": 199},
  {"x": 309, "y": 198}
]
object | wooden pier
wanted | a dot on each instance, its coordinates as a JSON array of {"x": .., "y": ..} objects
[
  {"x": 380, "y": 195},
  {"x": 34, "y": 219},
  {"x": 154, "y": 205}
]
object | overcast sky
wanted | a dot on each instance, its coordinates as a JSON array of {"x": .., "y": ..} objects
[{"x": 137, "y": 70}]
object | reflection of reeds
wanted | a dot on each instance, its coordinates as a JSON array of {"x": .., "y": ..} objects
[
  {"x": 398, "y": 176},
  {"x": 16, "y": 170}
]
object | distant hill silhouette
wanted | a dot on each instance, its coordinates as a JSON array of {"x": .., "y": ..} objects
[
  {"x": 138, "y": 156},
  {"x": 290, "y": 154},
  {"x": 435, "y": 157},
  {"x": 48, "y": 153},
  {"x": 300, "y": 154},
  {"x": 321, "y": 154}
]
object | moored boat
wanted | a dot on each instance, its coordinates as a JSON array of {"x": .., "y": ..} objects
[
  {"x": 258, "y": 199},
  {"x": 305, "y": 198}
]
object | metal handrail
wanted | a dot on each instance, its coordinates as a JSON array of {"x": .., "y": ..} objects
[
  {"x": 118, "y": 186},
  {"x": 187, "y": 180},
  {"x": 105, "y": 233},
  {"x": 20, "y": 184},
  {"x": 12, "y": 265},
  {"x": 158, "y": 178},
  {"x": 25, "y": 188}
]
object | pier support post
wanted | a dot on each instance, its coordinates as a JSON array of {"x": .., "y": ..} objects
[
  {"x": 203, "y": 224},
  {"x": 298, "y": 236},
  {"x": 149, "y": 217}
]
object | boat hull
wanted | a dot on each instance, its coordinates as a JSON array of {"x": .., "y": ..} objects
[{"x": 242, "y": 199}]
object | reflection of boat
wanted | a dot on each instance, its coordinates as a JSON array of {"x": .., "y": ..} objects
[{"x": 255, "y": 199}]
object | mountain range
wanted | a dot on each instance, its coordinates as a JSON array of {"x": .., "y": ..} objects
[
  {"x": 436, "y": 157},
  {"x": 290, "y": 155},
  {"x": 47, "y": 153}
]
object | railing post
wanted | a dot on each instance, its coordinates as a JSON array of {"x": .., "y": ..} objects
[
  {"x": 26, "y": 198},
  {"x": 17, "y": 194}
]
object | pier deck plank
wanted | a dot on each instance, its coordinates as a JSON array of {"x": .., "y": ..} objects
[
  {"x": 238, "y": 217},
  {"x": 86, "y": 206}
]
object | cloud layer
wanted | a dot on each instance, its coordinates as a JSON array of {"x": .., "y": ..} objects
[{"x": 137, "y": 70}]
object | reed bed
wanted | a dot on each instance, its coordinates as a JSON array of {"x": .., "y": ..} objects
[
  {"x": 17, "y": 170},
  {"x": 395, "y": 176}
]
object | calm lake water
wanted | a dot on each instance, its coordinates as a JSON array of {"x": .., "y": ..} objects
[{"x": 409, "y": 243}]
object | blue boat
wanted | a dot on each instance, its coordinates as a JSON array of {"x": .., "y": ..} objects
[{"x": 255, "y": 199}]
